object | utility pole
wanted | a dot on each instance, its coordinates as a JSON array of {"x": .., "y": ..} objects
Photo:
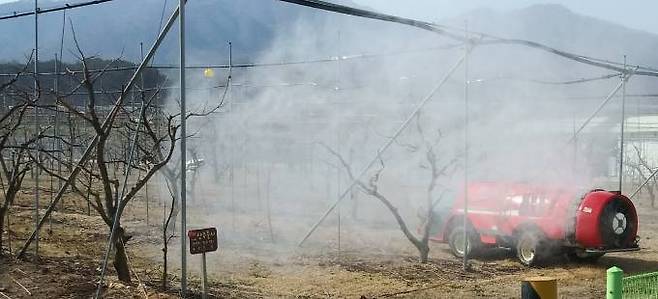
[
  {"x": 36, "y": 123},
  {"x": 183, "y": 148}
]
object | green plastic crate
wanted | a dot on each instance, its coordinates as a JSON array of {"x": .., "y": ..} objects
[{"x": 641, "y": 286}]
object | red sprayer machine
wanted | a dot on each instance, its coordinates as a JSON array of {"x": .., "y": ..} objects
[{"x": 537, "y": 222}]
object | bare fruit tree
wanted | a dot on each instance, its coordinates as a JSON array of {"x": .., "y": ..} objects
[
  {"x": 109, "y": 162},
  {"x": 124, "y": 125},
  {"x": 15, "y": 146},
  {"x": 431, "y": 162},
  {"x": 644, "y": 170}
]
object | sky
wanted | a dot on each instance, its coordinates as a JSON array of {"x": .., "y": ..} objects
[{"x": 636, "y": 14}]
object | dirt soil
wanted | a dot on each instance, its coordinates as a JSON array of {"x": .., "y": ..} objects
[{"x": 373, "y": 261}]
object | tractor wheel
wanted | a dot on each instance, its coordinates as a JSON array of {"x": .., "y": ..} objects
[
  {"x": 456, "y": 241},
  {"x": 529, "y": 247},
  {"x": 579, "y": 255}
]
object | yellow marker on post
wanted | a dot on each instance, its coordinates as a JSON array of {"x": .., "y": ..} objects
[{"x": 209, "y": 73}]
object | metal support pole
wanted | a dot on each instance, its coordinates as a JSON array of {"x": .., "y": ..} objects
[
  {"x": 37, "y": 127},
  {"x": 59, "y": 66},
  {"x": 205, "y": 277},
  {"x": 338, "y": 228},
  {"x": 59, "y": 142},
  {"x": 55, "y": 141},
  {"x": 230, "y": 63},
  {"x": 146, "y": 195},
  {"x": 338, "y": 86},
  {"x": 232, "y": 132},
  {"x": 623, "y": 124},
  {"x": 598, "y": 109},
  {"x": 384, "y": 147},
  {"x": 183, "y": 148},
  {"x": 466, "y": 145}
]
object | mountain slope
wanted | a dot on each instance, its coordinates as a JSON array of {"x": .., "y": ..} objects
[
  {"x": 252, "y": 25},
  {"x": 112, "y": 28},
  {"x": 558, "y": 27}
]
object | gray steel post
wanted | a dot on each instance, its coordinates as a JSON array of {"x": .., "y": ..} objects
[
  {"x": 37, "y": 126},
  {"x": 146, "y": 195},
  {"x": 624, "y": 78},
  {"x": 230, "y": 62},
  {"x": 653, "y": 174},
  {"x": 598, "y": 109},
  {"x": 466, "y": 146},
  {"x": 183, "y": 148},
  {"x": 59, "y": 143},
  {"x": 53, "y": 147},
  {"x": 205, "y": 277},
  {"x": 232, "y": 132},
  {"x": 338, "y": 224}
]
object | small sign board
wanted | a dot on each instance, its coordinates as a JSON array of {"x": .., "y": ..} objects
[{"x": 202, "y": 240}]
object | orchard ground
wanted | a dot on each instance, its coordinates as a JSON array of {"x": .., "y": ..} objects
[{"x": 374, "y": 260}]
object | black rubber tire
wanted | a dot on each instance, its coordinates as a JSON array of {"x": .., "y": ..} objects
[
  {"x": 455, "y": 241},
  {"x": 529, "y": 247}
]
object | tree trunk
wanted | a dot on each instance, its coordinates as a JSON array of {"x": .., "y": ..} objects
[
  {"x": 424, "y": 251},
  {"x": 120, "y": 257},
  {"x": 164, "y": 264},
  {"x": 172, "y": 184}
]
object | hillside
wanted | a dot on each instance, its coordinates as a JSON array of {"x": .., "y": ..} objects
[
  {"x": 252, "y": 25},
  {"x": 558, "y": 27},
  {"x": 112, "y": 28}
]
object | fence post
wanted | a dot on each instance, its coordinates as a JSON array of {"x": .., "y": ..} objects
[{"x": 614, "y": 283}]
